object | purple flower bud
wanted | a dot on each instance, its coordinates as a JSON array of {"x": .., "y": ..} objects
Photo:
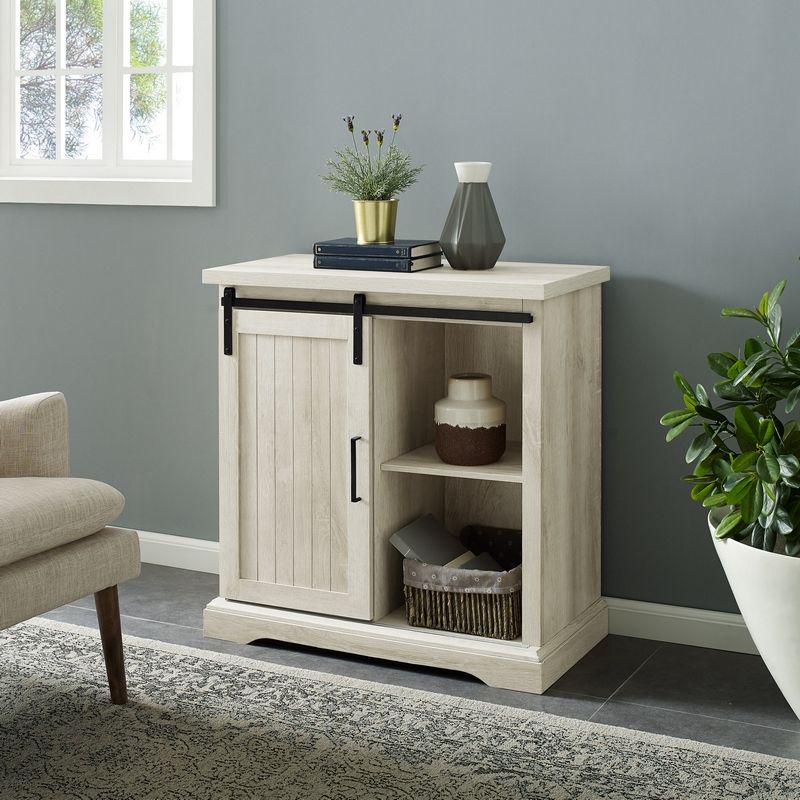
[
  {"x": 365, "y": 137},
  {"x": 379, "y": 136},
  {"x": 396, "y": 121},
  {"x": 349, "y": 122}
]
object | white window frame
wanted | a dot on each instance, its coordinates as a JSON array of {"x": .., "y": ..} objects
[{"x": 169, "y": 183}]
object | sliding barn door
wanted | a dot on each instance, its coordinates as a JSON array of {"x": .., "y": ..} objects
[{"x": 291, "y": 406}]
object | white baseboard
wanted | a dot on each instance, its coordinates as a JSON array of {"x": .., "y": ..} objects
[
  {"x": 179, "y": 551},
  {"x": 677, "y": 624},
  {"x": 696, "y": 626}
]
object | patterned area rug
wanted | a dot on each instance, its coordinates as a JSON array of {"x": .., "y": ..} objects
[{"x": 202, "y": 725}]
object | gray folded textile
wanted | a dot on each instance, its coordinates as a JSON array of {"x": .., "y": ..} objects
[{"x": 427, "y": 540}]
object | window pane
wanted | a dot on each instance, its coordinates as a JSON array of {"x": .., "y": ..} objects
[
  {"x": 37, "y": 117},
  {"x": 147, "y": 125},
  {"x": 37, "y": 34},
  {"x": 182, "y": 33},
  {"x": 182, "y": 116},
  {"x": 148, "y": 25},
  {"x": 83, "y": 128},
  {"x": 84, "y": 33}
]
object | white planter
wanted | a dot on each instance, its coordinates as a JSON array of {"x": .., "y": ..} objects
[{"x": 767, "y": 588}]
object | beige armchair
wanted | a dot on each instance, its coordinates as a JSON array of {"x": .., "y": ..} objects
[{"x": 55, "y": 543}]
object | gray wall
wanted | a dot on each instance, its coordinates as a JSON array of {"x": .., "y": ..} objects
[{"x": 661, "y": 138}]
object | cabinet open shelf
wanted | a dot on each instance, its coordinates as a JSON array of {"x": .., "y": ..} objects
[{"x": 425, "y": 461}]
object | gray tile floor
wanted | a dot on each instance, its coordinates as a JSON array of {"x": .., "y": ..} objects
[{"x": 689, "y": 692}]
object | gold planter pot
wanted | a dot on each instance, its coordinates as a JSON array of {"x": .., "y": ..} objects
[{"x": 375, "y": 221}]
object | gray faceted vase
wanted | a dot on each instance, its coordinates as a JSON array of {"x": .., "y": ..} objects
[{"x": 472, "y": 237}]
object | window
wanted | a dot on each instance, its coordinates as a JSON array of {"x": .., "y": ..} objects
[{"x": 107, "y": 101}]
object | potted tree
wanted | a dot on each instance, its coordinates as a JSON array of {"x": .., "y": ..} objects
[{"x": 746, "y": 457}]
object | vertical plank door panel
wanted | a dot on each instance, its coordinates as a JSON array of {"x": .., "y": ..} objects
[{"x": 302, "y": 543}]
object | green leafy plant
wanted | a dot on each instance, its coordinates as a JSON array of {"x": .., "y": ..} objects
[
  {"x": 357, "y": 173},
  {"x": 746, "y": 456}
]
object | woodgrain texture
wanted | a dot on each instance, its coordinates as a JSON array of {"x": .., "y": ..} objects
[
  {"x": 497, "y": 351},
  {"x": 333, "y": 557},
  {"x": 506, "y": 280},
  {"x": 424, "y": 461},
  {"x": 300, "y": 541},
  {"x": 505, "y": 665},
  {"x": 561, "y": 462},
  {"x": 408, "y": 378}
]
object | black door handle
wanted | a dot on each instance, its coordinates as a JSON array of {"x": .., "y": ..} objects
[{"x": 354, "y": 498}]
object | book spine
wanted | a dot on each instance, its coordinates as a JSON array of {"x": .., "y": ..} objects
[
  {"x": 372, "y": 264},
  {"x": 362, "y": 250}
]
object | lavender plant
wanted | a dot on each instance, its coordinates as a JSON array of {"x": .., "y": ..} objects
[{"x": 367, "y": 175}]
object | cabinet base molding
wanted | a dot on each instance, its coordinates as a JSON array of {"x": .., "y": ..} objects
[{"x": 503, "y": 665}]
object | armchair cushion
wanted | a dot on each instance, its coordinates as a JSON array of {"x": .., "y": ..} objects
[{"x": 38, "y": 514}]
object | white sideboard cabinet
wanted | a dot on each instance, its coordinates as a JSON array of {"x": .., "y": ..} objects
[{"x": 327, "y": 381}]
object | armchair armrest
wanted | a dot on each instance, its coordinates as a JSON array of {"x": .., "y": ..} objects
[{"x": 34, "y": 436}]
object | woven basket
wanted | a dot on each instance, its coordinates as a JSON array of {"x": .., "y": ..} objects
[
  {"x": 478, "y": 602},
  {"x": 498, "y": 616}
]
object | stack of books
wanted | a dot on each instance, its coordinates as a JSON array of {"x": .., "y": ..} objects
[{"x": 403, "y": 255}]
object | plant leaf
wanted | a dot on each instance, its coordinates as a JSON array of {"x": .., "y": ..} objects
[
  {"x": 701, "y": 446},
  {"x": 714, "y": 500},
  {"x": 751, "y": 502},
  {"x": 775, "y": 295},
  {"x": 789, "y": 466},
  {"x": 741, "y": 312},
  {"x": 793, "y": 548},
  {"x": 775, "y": 323},
  {"x": 766, "y": 430},
  {"x": 792, "y": 398},
  {"x": 678, "y": 429},
  {"x": 710, "y": 413},
  {"x": 701, "y": 490},
  {"x": 675, "y": 417},
  {"x": 729, "y": 523},
  {"x": 722, "y": 362},
  {"x": 783, "y": 521},
  {"x": 768, "y": 468},
  {"x": 770, "y": 538},
  {"x": 682, "y": 384},
  {"x": 751, "y": 347},
  {"x": 744, "y": 461},
  {"x": 746, "y": 427}
]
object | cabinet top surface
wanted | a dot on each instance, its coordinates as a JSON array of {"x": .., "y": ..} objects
[{"x": 508, "y": 279}]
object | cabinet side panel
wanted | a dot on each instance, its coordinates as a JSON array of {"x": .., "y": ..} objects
[
  {"x": 228, "y": 467},
  {"x": 339, "y": 467},
  {"x": 321, "y": 389},
  {"x": 532, "y": 380},
  {"x": 570, "y": 461},
  {"x": 248, "y": 454},
  {"x": 408, "y": 378},
  {"x": 284, "y": 462},
  {"x": 265, "y": 355},
  {"x": 303, "y": 549}
]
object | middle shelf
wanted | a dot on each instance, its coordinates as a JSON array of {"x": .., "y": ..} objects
[{"x": 425, "y": 461}]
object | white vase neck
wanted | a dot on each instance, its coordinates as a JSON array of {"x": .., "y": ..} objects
[{"x": 473, "y": 171}]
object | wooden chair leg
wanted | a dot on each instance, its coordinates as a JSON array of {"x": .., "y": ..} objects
[{"x": 106, "y": 602}]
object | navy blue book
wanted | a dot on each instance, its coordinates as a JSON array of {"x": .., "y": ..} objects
[
  {"x": 378, "y": 264},
  {"x": 400, "y": 248}
]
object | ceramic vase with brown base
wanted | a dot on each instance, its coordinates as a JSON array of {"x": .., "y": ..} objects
[
  {"x": 470, "y": 422},
  {"x": 767, "y": 589}
]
